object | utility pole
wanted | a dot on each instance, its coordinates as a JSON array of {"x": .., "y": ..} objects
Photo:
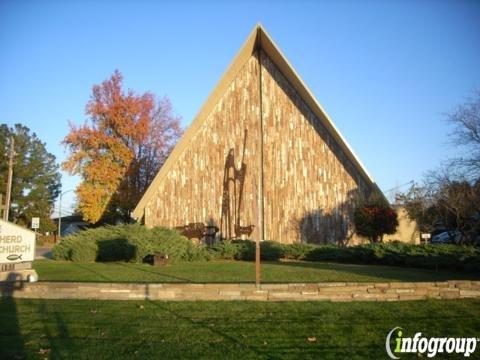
[{"x": 11, "y": 154}]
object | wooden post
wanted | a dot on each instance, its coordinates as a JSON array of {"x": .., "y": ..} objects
[
  {"x": 2, "y": 207},
  {"x": 261, "y": 230}
]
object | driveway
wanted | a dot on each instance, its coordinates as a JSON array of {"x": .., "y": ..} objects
[{"x": 43, "y": 253}]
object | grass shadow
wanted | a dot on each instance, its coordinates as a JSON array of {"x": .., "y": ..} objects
[
  {"x": 99, "y": 274},
  {"x": 11, "y": 340},
  {"x": 178, "y": 279}
]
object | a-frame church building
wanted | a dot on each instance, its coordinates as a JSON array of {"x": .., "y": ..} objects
[{"x": 261, "y": 160}]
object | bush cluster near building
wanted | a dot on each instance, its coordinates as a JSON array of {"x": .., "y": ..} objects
[{"x": 136, "y": 243}]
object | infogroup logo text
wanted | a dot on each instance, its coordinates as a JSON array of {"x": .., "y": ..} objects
[{"x": 432, "y": 346}]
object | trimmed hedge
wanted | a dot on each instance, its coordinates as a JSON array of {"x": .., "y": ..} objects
[
  {"x": 245, "y": 250},
  {"x": 233, "y": 250},
  {"x": 134, "y": 243},
  {"x": 297, "y": 251},
  {"x": 452, "y": 257}
]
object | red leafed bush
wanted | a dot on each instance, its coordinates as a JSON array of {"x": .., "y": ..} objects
[{"x": 374, "y": 221}]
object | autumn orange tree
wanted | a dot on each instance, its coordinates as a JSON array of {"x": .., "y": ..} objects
[{"x": 119, "y": 149}]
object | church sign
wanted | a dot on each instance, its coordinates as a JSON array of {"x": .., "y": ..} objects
[{"x": 17, "y": 244}]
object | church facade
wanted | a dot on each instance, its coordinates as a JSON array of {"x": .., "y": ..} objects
[{"x": 262, "y": 160}]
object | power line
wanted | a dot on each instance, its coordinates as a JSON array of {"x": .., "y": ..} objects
[{"x": 411, "y": 182}]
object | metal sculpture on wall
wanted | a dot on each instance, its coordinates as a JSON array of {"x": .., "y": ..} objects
[
  {"x": 199, "y": 231},
  {"x": 233, "y": 184}
]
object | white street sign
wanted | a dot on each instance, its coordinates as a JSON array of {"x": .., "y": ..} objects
[{"x": 35, "y": 223}]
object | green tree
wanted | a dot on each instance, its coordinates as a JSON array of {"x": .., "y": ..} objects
[
  {"x": 36, "y": 177},
  {"x": 420, "y": 204},
  {"x": 446, "y": 200}
]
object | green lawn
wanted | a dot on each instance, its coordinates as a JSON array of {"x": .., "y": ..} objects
[
  {"x": 82, "y": 329},
  {"x": 236, "y": 271}
]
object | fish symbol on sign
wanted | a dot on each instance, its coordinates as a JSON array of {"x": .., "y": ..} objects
[{"x": 13, "y": 257}]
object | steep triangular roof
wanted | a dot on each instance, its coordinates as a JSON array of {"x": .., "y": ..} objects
[{"x": 257, "y": 38}]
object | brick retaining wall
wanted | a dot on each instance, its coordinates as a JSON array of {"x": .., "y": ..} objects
[{"x": 388, "y": 291}]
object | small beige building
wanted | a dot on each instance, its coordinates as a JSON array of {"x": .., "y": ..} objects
[{"x": 407, "y": 230}]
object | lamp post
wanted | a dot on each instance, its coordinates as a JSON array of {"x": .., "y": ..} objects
[{"x": 60, "y": 214}]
